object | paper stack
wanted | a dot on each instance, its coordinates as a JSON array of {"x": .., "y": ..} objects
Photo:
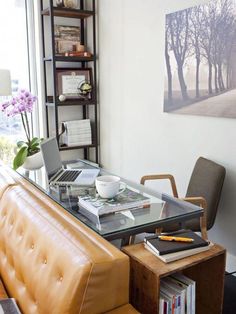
[{"x": 77, "y": 133}]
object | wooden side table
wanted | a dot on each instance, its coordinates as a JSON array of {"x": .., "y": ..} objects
[{"x": 206, "y": 268}]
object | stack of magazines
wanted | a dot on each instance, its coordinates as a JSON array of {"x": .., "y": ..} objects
[
  {"x": 169, "y": 251},
  {"x": 77, "y": 132},
  {"x": 99, "y": 206},
  {"x": 177, "y": 295}
]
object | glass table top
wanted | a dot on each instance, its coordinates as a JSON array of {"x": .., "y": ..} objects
[{"x": 161, "y": 210}]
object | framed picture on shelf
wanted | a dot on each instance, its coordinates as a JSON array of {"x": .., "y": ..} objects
[
  {"x": 70, "y": 83},
  {"x": 66, "y": 38}
]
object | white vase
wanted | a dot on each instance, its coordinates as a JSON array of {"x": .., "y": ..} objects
[{"x": 33, "y": 162}]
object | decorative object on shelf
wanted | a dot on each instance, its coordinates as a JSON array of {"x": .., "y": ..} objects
[
  {"x": 62, "y": 97},
  {"x": 78, "y": 54},
  {"x": 85, "y": 89},
  {"x": 67, "y": 38},
  {"x": 71, "y": 4},
  {"x": 60, "y": 3},
  {"x": 23, "y": 104},
  {"x": 69, "y": 81},
  {"x": 80, "y": 48}
]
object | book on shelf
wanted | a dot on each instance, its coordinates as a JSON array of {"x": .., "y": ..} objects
[
  {"x": 177, "y": 295},
  {"x": 161, "y": 247},
  {"x": 126, "y": 200},
  {"x": 190, "y": 290},
  {"x": 9, "y": 306},
  {"x": 179, "y": 292}
]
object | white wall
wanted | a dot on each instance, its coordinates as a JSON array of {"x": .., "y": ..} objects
[{"x": 136, "y": 136}]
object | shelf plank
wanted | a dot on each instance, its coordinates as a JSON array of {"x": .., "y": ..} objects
[
  {"x": 70, "y": 13},
  {"x": 161, "y": 269},
  {"x": 61, "y": 148},
  {"x": 70, "y": 102},
  {"x": 71, "y": 59}
]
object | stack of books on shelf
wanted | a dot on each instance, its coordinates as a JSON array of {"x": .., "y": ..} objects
[
  {"x": 177, "y": 295},
  {"x": 169, "y": 251},
  {"x": 96, "y": 206},
  {"x": 76, "y": 133}
]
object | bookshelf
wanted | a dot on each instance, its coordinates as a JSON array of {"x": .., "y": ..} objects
[
  {"x": 206, "y": 268},
  {"x": 83, "y": 17}
]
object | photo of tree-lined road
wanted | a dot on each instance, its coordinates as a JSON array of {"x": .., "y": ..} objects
[{"x": 200, "y": 56}]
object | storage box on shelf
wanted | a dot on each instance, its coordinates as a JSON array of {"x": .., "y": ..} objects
[{"x": 82, "y": 65}]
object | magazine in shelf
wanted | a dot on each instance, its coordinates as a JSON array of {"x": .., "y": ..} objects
[{"x": 126, "y": 200}]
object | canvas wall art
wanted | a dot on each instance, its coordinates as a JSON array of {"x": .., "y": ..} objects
[{"x": 200, "y": 58}]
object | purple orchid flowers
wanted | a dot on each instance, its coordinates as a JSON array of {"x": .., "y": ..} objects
[{"x": 22, "y": 103}]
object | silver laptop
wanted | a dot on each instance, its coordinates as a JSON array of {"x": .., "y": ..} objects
[{"x": 60, "y": 176}]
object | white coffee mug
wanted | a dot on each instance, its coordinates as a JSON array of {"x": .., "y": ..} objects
[{"x": 109, "y": 186}]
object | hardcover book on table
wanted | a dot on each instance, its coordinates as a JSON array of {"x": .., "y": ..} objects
[
  {"x": 171, "y": 257},
  {"x": 126, "y": 200},
  {"x": 161, "y": 247}
]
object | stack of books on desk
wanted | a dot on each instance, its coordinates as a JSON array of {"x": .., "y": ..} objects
[
  {"x": 77, "y": 133},
  {"x": 99, "y": 206},
  {"x": 177, "y": 295},
  {"x": 169, "y": 251}
]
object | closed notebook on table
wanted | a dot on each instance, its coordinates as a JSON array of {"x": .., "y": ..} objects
[{"x": 161, "y": 247}]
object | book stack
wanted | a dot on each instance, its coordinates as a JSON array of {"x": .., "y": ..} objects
[
  {"x": 77, "y": 133},
  {"x": 97, "y": 206},
  {"x": 171, "y": 251},
  {"x": 177, "y": 295}
]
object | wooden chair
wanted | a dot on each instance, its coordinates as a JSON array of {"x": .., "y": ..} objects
[{"x": 204, "y": 190}]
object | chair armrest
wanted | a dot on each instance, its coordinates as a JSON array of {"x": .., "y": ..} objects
[
  {"x": 162, "y": 177},
  {"x": 200, "y": 201},
  {"x": 125, "y": 309}
]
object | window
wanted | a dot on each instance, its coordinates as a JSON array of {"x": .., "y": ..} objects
[{"x": 14, "y": 57}]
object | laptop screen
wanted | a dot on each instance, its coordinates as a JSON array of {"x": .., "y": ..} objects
[{"x": 51, "y": 156}]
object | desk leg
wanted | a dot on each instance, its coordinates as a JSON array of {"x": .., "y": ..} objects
[{"x": 126, "y": 240}]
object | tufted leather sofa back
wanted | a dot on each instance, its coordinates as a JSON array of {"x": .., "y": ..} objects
[
  {"x": 52, "y": 263},
  {"x": 5, "y": 179}
]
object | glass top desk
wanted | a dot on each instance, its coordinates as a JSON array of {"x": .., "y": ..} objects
[{"x": 162, "y": 211}]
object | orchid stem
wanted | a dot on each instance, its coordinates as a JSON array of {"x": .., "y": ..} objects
[
  {"x": 27, "y": 124},
  {"x": 23, "y": 122}
]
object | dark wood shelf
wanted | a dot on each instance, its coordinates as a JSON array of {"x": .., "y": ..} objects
[
  {"x": 69, "y": 59},
  {"x": 76, "y": 147},
  {"x": 70, "y": 13},
  {"x": 71, "y": 102}
]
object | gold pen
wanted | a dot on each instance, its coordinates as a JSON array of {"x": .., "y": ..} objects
[{"x": 176, "y": 239}]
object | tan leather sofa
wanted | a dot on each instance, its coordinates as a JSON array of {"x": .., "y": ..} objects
[{"x": 52, "y": 263}]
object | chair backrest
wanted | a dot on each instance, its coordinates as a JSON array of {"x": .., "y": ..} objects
[{"x": 207, "y": 181}]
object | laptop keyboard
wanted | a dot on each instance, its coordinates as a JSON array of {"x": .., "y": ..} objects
[{"x": 69, "y": 176}]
